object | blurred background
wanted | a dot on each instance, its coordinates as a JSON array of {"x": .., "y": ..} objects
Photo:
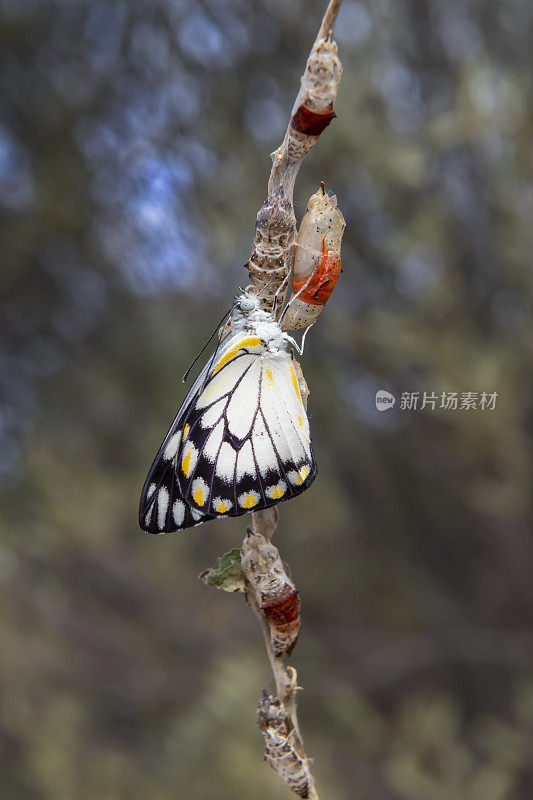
[{"x": 134, "y": 142}]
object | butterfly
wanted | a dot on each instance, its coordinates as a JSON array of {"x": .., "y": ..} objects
[{"x": 240, "y": 441}]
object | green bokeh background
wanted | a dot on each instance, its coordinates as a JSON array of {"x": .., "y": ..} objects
[{"x": 134, "y": 142}]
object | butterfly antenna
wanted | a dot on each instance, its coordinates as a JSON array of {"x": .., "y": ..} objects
[{"x": 226, "y": 315}]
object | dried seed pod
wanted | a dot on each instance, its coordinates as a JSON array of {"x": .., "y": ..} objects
[
  {"x": 282, "y": 748},
  {"x": 317, "y": 264},
  {"x": 273, "y": 591}
]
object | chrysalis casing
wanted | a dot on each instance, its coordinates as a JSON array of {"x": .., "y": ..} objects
[
  {"x": 275, "y": 233},
  {"x": 282, "y": 747},
  {"x": 275, "y": 236},
  {"x": 284, "y": 619},
  {"x": 273, "y": 591},
  {"x": 313, "y": 109},
  {"x": 317, "y": 264}
]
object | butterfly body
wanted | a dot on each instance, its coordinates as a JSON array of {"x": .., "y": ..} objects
[{"x": 240, "y": 441}]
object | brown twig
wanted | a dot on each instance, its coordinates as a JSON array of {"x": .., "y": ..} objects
[
  {"x": 265, "y": 580},
  {"x": 328, "y": 20},
  {"x": 269, "y": 269}
]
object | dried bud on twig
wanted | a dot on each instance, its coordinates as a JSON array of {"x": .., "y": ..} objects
[
  {"x": 272, "y": 590},
  {"x": 283, "y": 749}
]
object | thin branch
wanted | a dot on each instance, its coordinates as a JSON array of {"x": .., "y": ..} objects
[
  {"x": 328, "y": 21},
  {"x": 269, "y": 267},
  {"x": 265, "y": 579},
  {"x": 276, "y": 715}
]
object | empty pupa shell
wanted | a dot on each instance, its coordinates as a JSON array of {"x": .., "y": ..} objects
[
  {"x": 273, "y": 590},
  {"x": 317, "y": 264}
]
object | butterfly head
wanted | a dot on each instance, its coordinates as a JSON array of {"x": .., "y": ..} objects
[
  {"x": 248, "y": 315},
  {"x": 247, "y": 302}
]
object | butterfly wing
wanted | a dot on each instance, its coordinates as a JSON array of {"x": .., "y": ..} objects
[
  {"x": 162, "y": 507},
  {"x": 248, "y": 437},
  {"x": 166, "y": 510},
  {"x": 240, "y": 441}
]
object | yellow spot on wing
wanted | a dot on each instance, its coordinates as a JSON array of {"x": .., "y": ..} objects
[
  {"x": 294, "y": 380},
  {"x": 198, "y": 494},
  {"x": 186, "y": 460},
  {"x": 304, "y": 472},
  {"x": 248, "y": 501},
  {"x": 299, "y": 476},
  {"x": 186, "y": 431},
  {"x": 270, "y": 377},
  {"x": 276, "y": 492},
  {"x": 222, "y": 505},
  {"x": 249, "y": 341}
]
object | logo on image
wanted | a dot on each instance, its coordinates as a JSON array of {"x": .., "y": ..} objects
[{"x": 384, "y": 400}]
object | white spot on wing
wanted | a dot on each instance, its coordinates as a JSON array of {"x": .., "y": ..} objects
[
  {"x": 245, "y": 462},
  {"x": 224, "y": 381},
  {"x": 244, "y": 402},
  {"x": 212, "y": 414},
  {"x": 149, "y": 513},
  {"x": 162, "y": 506},
  {"x": 226, "y": 462},
  {"x": 151, "y": 490},
  {"x": 178, "y": 512},
  {"x": 291, "y": 403},
  {"x": 172, "y": 446},
  {"x": 213, "y": 442},
  {"x": 281, "y": 407},
  {"x": 264, "y": 452}
]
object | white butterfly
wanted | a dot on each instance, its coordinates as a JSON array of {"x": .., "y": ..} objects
[{"x": 240, "y": 441}]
